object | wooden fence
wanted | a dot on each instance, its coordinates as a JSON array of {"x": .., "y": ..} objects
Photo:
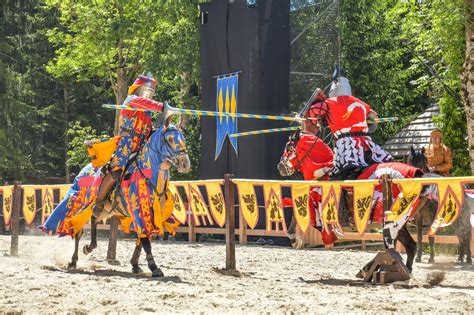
[{"x": 312, "y": 237}]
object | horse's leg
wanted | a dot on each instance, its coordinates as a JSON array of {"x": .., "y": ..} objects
[
  {"x": 87, "y": 249},
  {"x": 75, "y": 256},
  {"x": 136, "y": 256},
  {"x": 467, "y": 248},
  {"x": 460, "y": 249},
  {"x": 431, "y": 241},
  {"x": 419, "y": 238},
  {"x": 155, "y": 271},
  {"x": 410, "y": 246}
]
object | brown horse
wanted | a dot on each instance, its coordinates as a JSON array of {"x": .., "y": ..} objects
[{"x": 426, "y": 214}]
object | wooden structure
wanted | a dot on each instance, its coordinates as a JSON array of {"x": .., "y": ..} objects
[
  {"x": 416, "y": 134},
  {"x": 312, "y": 237}
]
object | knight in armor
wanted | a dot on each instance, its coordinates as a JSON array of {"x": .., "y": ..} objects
[
  {"x": 134, "y": 128},
  {"x": 440, "y": 160},
  {"x": 347, "y": 117}
]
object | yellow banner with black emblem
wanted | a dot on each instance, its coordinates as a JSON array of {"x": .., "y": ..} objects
[
  {"x": 63, "y": 190},
  {"x": 48, "y": 203},
  {"x": 179, "y": 211},
  {"x": 300, "y": 197},
  {"x": 450, "y": 194},
  {"x": 216, "y": 202},
  {"x": 331, "y": 195},
  {"x": 274, "y": 207},
  {"x": 363, "y": 197},
  {"x": 29, "y": 204},
  {"x": 248, "y": 203},
  {"x": 404, "y": 203},
  {"x": 198, "y": 206},
  {"x": 7, "y": 203}
]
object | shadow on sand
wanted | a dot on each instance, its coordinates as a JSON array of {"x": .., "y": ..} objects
[{"x": 115, "y": 273}]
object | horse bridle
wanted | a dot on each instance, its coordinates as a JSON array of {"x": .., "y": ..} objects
[
  {"x": 170, "y": 149},
  {"x": 164, "y": 141}
]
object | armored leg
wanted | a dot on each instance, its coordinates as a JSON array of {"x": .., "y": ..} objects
[{"x": 105, "y": 188}]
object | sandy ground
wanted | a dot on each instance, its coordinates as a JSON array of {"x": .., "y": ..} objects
[{"x": 274, "y": 279}]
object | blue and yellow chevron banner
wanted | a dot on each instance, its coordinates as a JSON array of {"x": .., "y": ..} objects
[{"x": 226, "y": 102}]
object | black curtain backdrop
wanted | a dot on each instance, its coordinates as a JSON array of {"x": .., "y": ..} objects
[{"x": 256, "y": 41}]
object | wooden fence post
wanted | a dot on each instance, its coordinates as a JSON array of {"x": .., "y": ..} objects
[
  {"x": 386, "y": 199},
  {"x": 229, "y": 222},
  {"x": 15, "y": 219},
  {"x": 191, "y": 223}
]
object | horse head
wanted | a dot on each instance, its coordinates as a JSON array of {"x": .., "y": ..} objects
[
  {"x": 168, "y": 141},
  {"x": 417, "y": 159}
]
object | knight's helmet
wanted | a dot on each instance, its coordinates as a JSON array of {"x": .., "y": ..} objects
[
  {"x": 145, "y": 81},
  {"x": 340, "y": 87}
]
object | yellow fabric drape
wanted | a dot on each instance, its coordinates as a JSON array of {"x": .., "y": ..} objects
[
  {"x": 450, "y": 196},
  {"x": 7, "y": 203},
  {"x": 216, "y": 202},
  {"x": 363, "y": 197},
  {"x": 300, "y": 196},
  {"x": 179, "y": 210},
  {"x": 29, "y": 204},
  {"x": 248, "y": 203},
  {"x": 162, "y": 214},
  {"x": 331, "y": 194},
  {"x": 198, "y": 206},
  {"x": 274, "y": 207},
  {"x": 403, "y": 205},
  {"x": 100, "y": 152}
]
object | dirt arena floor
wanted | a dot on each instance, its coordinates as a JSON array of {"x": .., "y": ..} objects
[{"x": 273, "y": 279}]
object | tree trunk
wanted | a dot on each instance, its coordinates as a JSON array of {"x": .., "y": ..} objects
[
  {"x": 468, "y": 78},
  {"x": 66, "y": 139},
  {"x": 120, "y": 98}
]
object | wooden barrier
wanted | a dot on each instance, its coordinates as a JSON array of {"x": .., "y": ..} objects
[
  {"x": 312, "y": 237},
  {"x": 229, "y": 222},
  {"x": 15, "y": 218}
]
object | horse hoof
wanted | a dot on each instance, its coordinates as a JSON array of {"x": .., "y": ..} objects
[
  {"x": 431, "y": 261},
  {"x": 469, "y": 261},
  {"x": 87, "y": 249},
  {"x": 418, "y": 259},
  {"x": 460, "y": 259},
  {"x": 360, "y": 274},
  {"x": 157, "y": 273},
  {"x": 136, "y": 269},
  {"x": 71, "y": 265}
]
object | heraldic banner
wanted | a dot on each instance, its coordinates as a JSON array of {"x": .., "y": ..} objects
[{"x": 226, "y": 102}]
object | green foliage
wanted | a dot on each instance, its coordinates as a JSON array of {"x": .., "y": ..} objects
[
  {"x": 402, "y": 56},
  {"x": 77, "y": 151}
]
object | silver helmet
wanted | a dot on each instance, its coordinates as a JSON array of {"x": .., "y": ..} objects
[{"x": 340, "y": 87}]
